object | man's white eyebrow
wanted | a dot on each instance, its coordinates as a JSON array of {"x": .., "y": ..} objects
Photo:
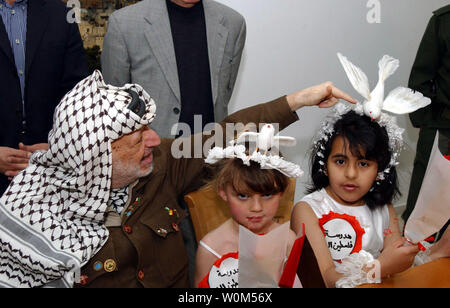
[{"x": 141, "y": 133}]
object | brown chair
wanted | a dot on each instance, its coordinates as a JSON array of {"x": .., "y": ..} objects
[{"x": 208, "y": 210}]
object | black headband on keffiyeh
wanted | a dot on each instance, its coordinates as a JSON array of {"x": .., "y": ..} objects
[{"x": 52, "y": 215}]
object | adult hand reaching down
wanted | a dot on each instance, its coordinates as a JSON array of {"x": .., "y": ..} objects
[{"x": 324, "y": 95}]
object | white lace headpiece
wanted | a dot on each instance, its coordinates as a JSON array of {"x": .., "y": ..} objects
[
  {"x": 388, "y": 122},
  {"x": 264, "y": 141},
  {"x": 399, "y": 101}
]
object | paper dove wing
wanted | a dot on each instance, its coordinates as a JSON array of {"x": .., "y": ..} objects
[
  {"x": 356, "y": 76},
  {"x": 285, "y": 141},
  {"x": 403, "y": 100},
  {"x": 252, "y": 136}
]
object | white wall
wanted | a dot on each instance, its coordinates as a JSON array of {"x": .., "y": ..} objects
[{"x": 292, "y": 44}]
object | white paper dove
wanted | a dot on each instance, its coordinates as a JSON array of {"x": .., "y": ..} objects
[
  {"x": 401, "y": 100},
  {"x": 266, "y": 138}
]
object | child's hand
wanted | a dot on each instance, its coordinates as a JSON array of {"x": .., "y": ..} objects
[{"x": 396, "y": 258}]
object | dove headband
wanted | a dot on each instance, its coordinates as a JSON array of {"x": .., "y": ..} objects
[
  {"x": 399, "y": 101},
  {"x": 266, "y": 160},
  {"x": 388, "y": 122}
]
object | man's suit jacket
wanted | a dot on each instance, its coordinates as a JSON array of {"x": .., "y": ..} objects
[
  {"x": 138, "y": 48},
  {"x": 54, "y": 62}
]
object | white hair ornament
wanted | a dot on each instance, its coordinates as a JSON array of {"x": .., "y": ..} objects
[
  {"x": 264, "y": 141},
  {"x": 399, "y": 101},
  {"x": 388, "y": 122}
]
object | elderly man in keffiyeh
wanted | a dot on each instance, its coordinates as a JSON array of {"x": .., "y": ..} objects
[
  {"x": 52, "y": 213},
  {"x": 101, "y": 203}
]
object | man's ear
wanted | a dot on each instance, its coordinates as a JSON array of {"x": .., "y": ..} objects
[{"x": 222, "y": 194}]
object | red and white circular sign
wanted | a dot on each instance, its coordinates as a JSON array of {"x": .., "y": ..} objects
[
  {"x": 343, "y": 234},
  {"x": 224, "y": 273}
]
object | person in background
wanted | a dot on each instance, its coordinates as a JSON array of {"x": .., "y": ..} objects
[
  {"x": 41, "y": 58},
  {"x": 185, "y": 52},
  {"x": 430, "y": 75}
]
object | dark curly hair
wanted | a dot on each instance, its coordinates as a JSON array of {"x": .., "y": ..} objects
[{"x": 366, "y": 138}]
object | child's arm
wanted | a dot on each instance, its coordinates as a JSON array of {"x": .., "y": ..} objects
[
  {"x": 303, "y": 213},
  {"x": 395, "y": 257},
  {"x": 203, "y": 262},
  {"x": 392, "y": 234}
]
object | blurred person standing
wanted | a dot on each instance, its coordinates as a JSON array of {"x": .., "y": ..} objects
[
  {"x": 185, "y": 52},
  {"x": 430, "y": 75},
  {"x": 41, "y": 58}
]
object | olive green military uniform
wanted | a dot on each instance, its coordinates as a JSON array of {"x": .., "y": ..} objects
[
  {"x": 430, "y": 75},
  {"x": 145, "y": 247}
]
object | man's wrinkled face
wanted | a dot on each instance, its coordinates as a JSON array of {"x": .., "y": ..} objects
[{"x": 132, "y": 156}]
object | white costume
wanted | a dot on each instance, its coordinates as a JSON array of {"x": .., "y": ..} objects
[
  {"x": 355, "y": 234},
  {"x": 342, "y": 236}
]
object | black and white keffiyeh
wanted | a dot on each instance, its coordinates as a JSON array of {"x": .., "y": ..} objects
[{"x": 52, "y": 215}]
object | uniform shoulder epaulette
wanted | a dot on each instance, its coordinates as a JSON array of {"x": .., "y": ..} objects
[{"x": 442, "y": 10}]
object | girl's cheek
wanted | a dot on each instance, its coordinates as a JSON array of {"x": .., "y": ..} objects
[
  {"x": 236, "y": 210},
  {"x": 272, "y": 207}
]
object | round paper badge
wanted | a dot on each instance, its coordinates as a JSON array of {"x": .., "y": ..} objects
[
  {"x": 224, "y": 273},
  {"x": 343, "y": 234}
]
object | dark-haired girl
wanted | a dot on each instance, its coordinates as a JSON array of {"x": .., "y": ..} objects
[{"x": 350, "y": 221}]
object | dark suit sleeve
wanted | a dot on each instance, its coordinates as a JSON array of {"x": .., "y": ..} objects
[
  {"x": 188, "y": 174},
  {"x": 75, "y": 63},
  {"x": 425, "y": 69}
]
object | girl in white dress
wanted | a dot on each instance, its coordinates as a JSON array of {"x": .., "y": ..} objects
[
  {"x": 350, "y": 221},
  {"x": 253, "y": 195}
]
